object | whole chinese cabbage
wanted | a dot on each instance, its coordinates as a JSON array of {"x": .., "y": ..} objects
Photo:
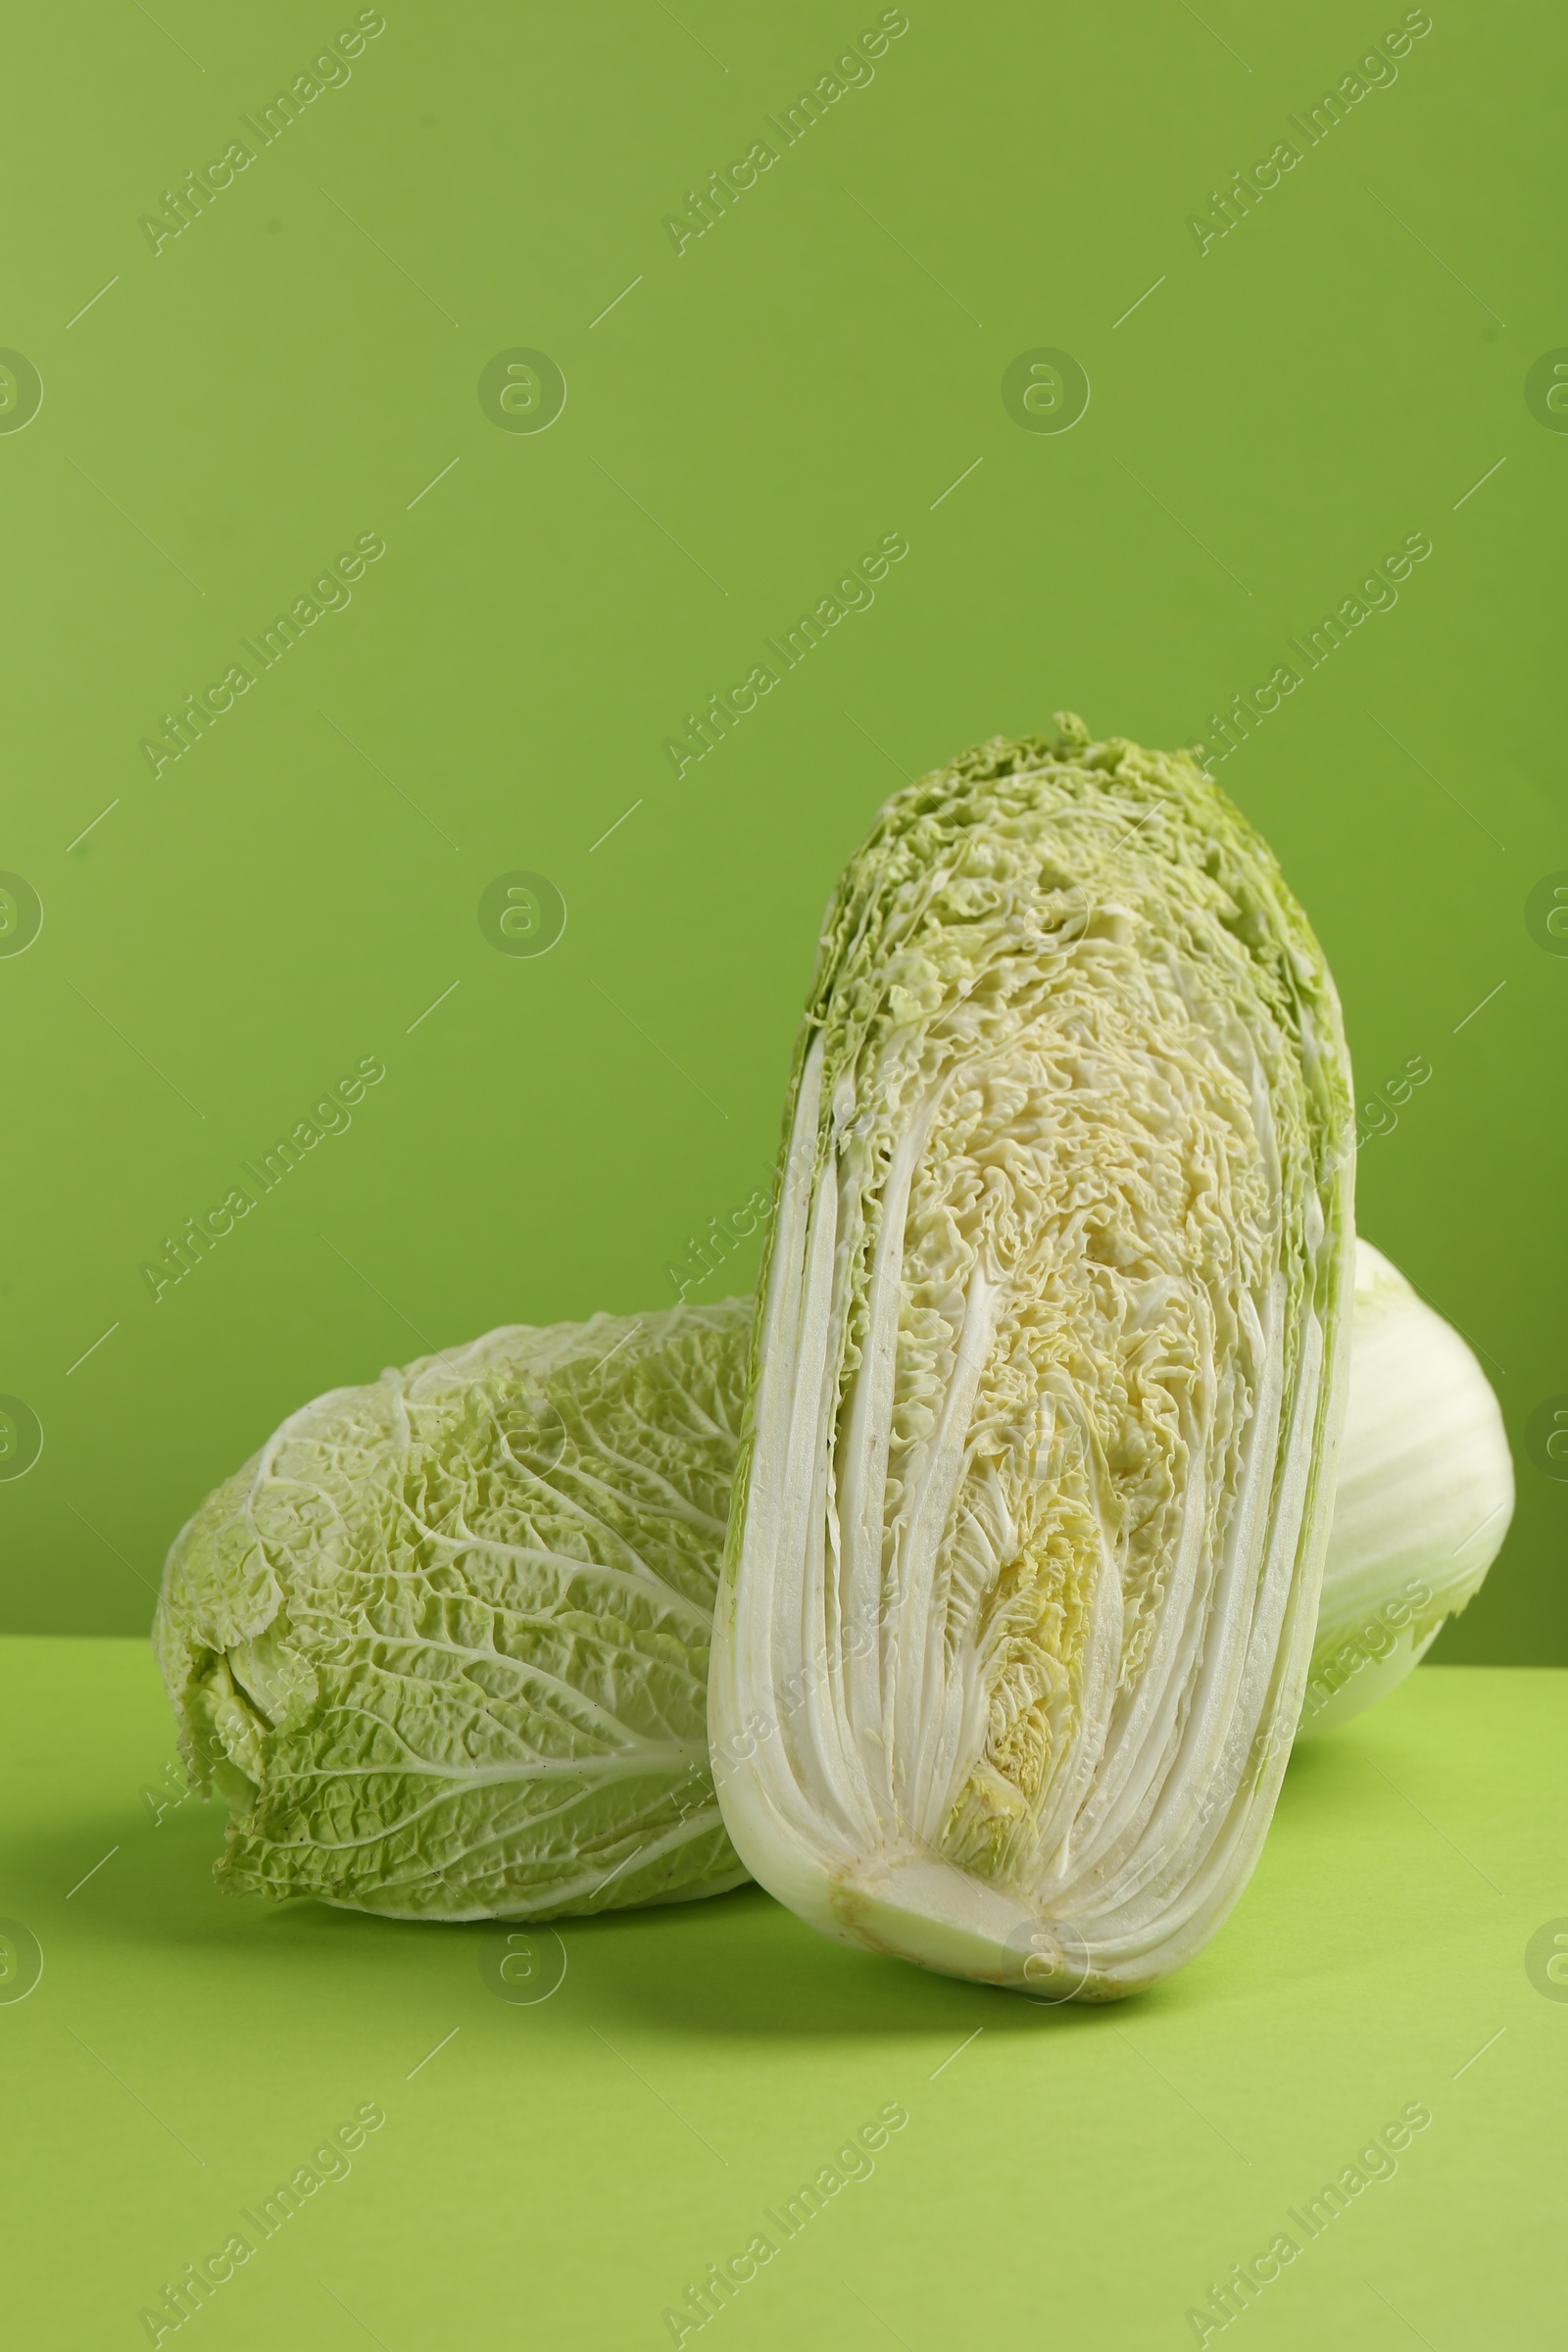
[
  {"x": 442, "y": 1644},
  {"x": 1049, "y": 1372}
]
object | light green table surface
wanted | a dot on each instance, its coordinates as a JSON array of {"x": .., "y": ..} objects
[{"x": 557, "y": 2173}]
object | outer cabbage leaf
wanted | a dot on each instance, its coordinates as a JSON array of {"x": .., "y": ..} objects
[
  {"x": 1422, "y": 1500},
  {"x": 442, "y": 1644},
  {"x": 1047, "y": 1378}
]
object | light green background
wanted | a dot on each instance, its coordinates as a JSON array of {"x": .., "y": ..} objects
[
  {"x": 302, "y": 365},
  {"x": 558, "y": 2173},
  {"x": 298, "y": 365}
]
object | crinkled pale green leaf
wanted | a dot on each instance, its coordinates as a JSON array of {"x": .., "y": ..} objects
[
  {"x": 1047, "y": 1378},
  {"x": 443, "y": 1644}
]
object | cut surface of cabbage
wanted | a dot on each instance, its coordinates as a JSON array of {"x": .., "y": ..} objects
[
  {"x": 442, "y": 1644},
  {"x": 1048, "y": 1371}
]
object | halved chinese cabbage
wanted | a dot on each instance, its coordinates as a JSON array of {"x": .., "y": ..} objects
[{"x": 1049, "y": 1372}]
